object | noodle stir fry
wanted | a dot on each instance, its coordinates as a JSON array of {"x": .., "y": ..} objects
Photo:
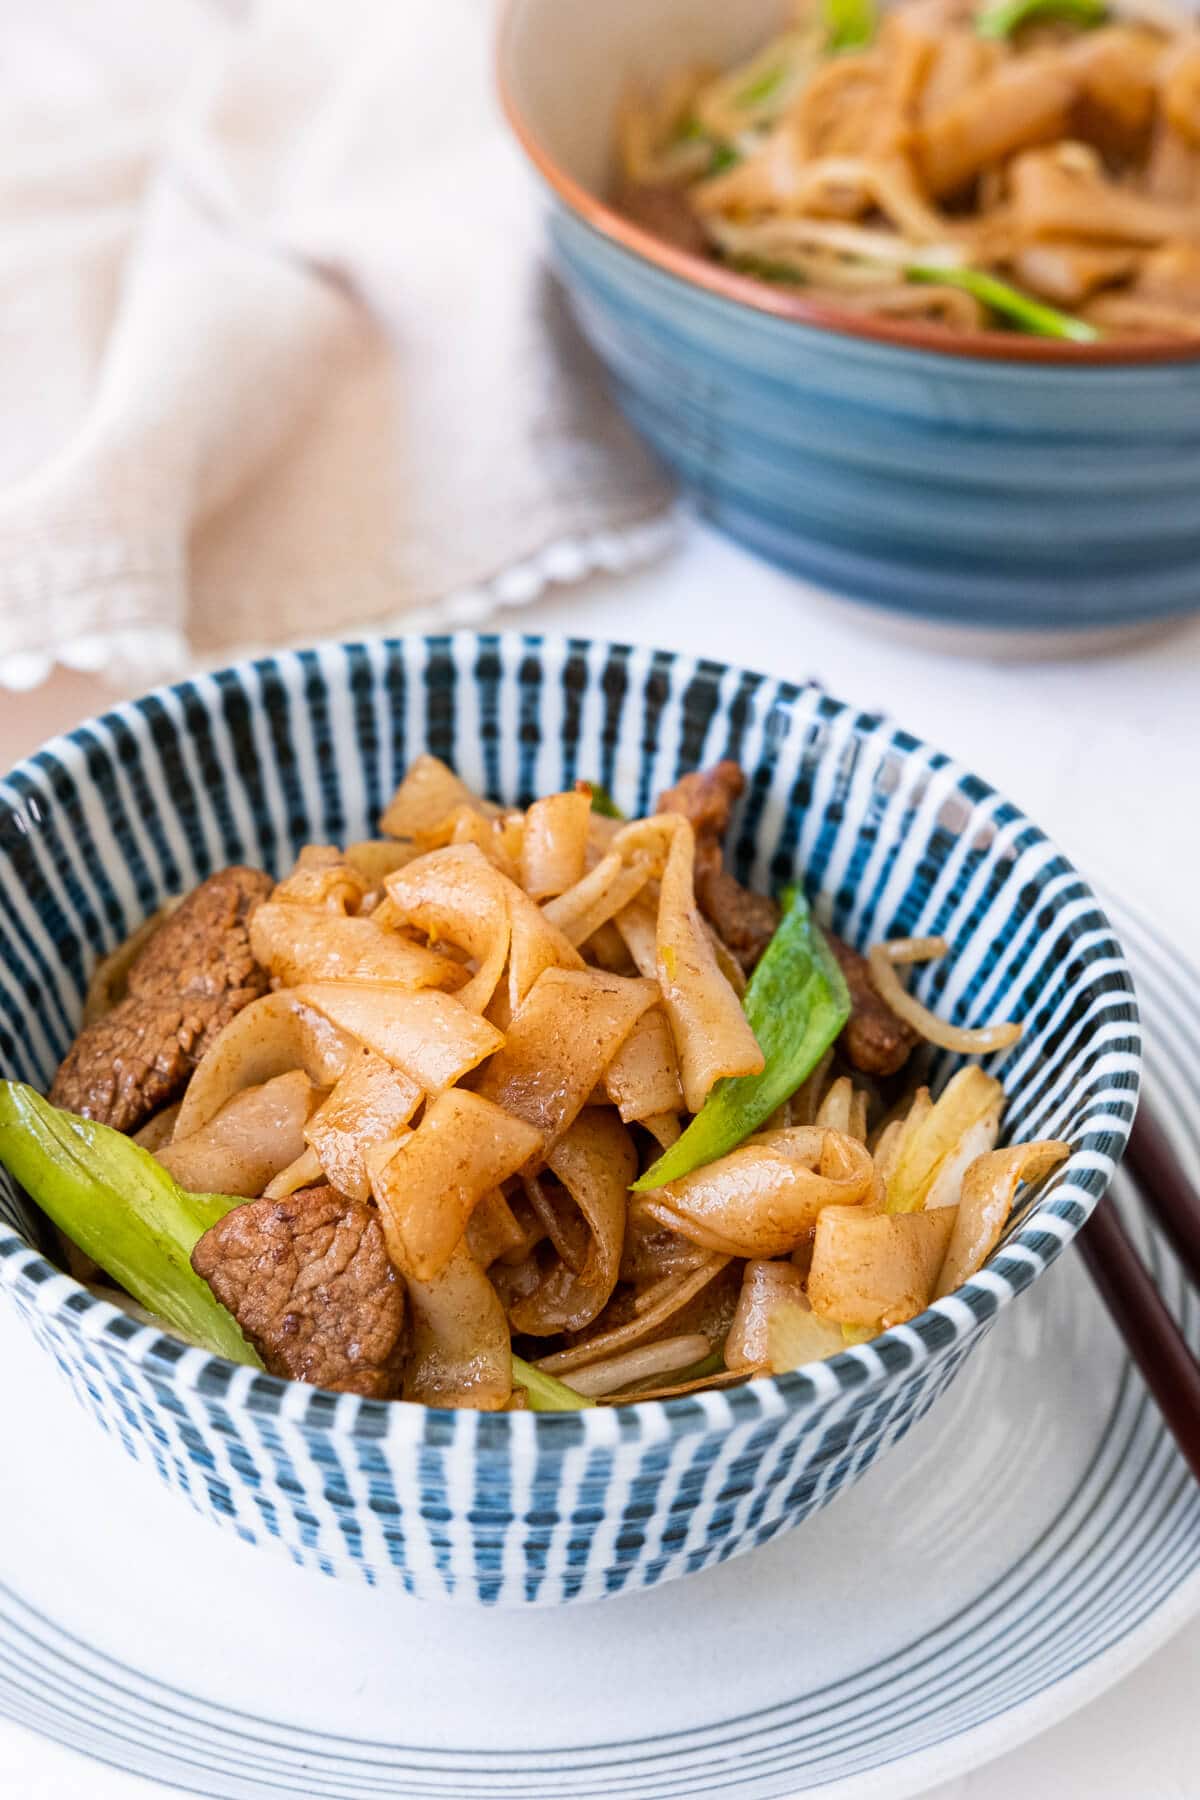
[
  {"x": 516, "y": 1108},
  {"x": 1030, "y": 164}
]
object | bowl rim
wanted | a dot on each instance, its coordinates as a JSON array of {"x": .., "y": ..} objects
[
  {"x": 788, "y": 305},
  {"x": 851, "y": 1377}
]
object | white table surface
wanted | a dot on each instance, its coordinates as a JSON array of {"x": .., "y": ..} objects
[{"x": 1104, "y": 752}]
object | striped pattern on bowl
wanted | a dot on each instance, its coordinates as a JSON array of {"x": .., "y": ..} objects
[{"x": 890, "y": 836}]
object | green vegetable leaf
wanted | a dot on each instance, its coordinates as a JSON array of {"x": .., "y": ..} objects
[
  {"x": 1008, "y": 16},
  {"x": 123, "y": 1210},
  {"x": 849, "y": 24},
  {"x": 603, "y": 802},
  {"x": 1026, "y": 314},
  {"x": 797, "y": 1002},
  {"x": 545, "y": 1394}
]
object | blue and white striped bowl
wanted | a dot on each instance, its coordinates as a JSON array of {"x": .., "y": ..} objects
[
  {"x": 518, "y": 1508},
  {"x": 983, "y": 480}
]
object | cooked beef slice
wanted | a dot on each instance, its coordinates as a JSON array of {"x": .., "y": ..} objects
[
  {"x": 874, "y": 1040},
  {"x": 193, "y": 975},
  {"x": 663, "y": 209},
  {"x": 309, "y": 1282},
  {"x": 744, "y": 921}
]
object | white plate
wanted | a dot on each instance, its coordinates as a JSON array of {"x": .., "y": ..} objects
[{"x": 1027, "y": 1545}]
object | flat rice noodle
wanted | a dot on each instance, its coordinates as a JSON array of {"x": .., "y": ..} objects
[
  {"x": 601, "y": 832},
  {"x": 560, "y": 1219},
  {"x": 1172, "y": 275},
  {"x": 1054, "y": 198},
  {"x": 428, "y": 1034},
  {"x": 797, "y": 1335},
  {"x": 560, "y": 1043},
  {"x": 322, "y": 878},
  {"x": 727, "y": 962},
  {"x": 877, "y": 1269},
  {"x": 595, "y": 1161},
  {"x": 642, "y": 1079},
  {"x": 1130, "y": 315},
  {"x": 491, "y": 837},
  {"x": 968, "y": 1098},
  {"x": 455, "y": 895},
  {"x": 271, "y": 1036},
  {"x": 537, "y": 945},
  {"x": 429, "y": 792},
  {"x": 377, "y": 858},
  {"x": 764, "y": 1198},
  {"x": 257, "y": 1132},
  {"x": 1024, "y": 102},
  {"x": 157, "y": 1130},
  {"x": 554, "y": 844},
  {"x": 664, "y": 1128},
  {"x": 1181, "y": 95},
  {"x": 989, "y": 1188},
  {"x": 668, "y": 1301},
  {"x": 369, "y": 1104},
  {"x": 461, "y": 1349},
  {"x": 638, "y": 926},
  {"x": 597, "y": 897},
  {"x": 959, "y": 61},
  {"x": 301, "y": 943},
  {"x": 1118, "y": 69},
  {"x": 494, "y": 1231},
  {"x": 605, "y": 949},
  {"x": 712, "y": 1034},
  {"x": 653, "y": 1252},
  {"x": 1067, "y": 273},
  {"x": 463, "y": 1148},
  {"x": 765, "y": 1286},
  {"x": 663, "y": 1357}
]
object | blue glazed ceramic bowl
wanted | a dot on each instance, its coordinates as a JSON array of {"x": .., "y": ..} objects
[
  {"x": 979, "y": 480},
  {"x": 521, "y": 1508}
]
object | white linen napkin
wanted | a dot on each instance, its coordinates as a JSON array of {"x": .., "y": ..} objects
[{"x": 278, "y": 356}]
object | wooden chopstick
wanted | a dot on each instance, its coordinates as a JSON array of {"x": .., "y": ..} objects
[
  {"x": 1151, "y": 1335},
  {"x": 1165, "y": 1189}
]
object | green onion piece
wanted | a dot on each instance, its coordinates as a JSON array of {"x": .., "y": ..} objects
[
  {"x": 1008, "y": 16},
  {"x": 723, "y": 155},
  {"x": 1026, "y": 314},
  {"x": 849, "y": 24},
  {"x": 123, "y": 1210},
  {"x": 544, "y": 1392},
  {"x": 763, "y": 87},
  {"x": 765, "y": 270},
  {"x": 797, "y": 1002},
  {"x": 603, "y": 802}
]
